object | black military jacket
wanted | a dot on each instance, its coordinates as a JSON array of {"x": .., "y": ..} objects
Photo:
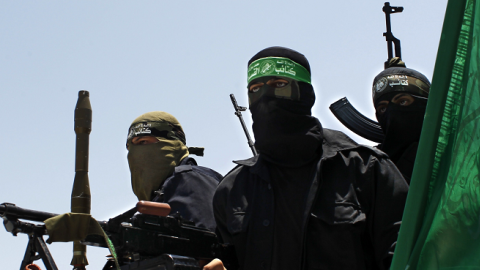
[
  {"x": 406, "y": 161},
  {"x": 353, "y": 214},
  {"x": 189, "y": 191}
]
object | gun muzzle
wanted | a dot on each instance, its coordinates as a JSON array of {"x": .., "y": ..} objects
[{"x": 81, "y": 198}]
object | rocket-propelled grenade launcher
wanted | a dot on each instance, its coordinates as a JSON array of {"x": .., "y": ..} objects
[{"x": 81, "y": 187}]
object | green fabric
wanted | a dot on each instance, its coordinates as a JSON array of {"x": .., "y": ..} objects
[
  {"x": 71, "y": 227},
  {"x": 441, "y": 223},
  {"x": 277, "y": 66},
  {"x": 151, "y": 164}
]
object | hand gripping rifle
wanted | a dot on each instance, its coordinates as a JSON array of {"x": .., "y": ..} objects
[
  {"x": 343, "y": 109},
  {"x": 238, "y": 112}
]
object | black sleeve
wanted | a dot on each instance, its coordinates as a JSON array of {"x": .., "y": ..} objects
[
  {"x": 386, "y": 216},
  {"x": 190, "y": 193},
  {"x": 219, "y": 204}
]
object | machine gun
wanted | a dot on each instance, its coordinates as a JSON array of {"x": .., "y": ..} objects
[
  {"x": 142, "y": 241},
  {"x": 149, "y": 240},
  {"x": 343, "y": 109}
]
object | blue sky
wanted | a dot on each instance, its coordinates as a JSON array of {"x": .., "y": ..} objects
[{"x": 182, "y": 57}]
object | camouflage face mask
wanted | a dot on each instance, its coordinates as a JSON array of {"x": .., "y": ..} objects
[
  {"x": 151, "y": 164},
  {"x": 273, "y": 86}
]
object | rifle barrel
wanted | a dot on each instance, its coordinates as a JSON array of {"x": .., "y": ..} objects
[
  {"x": 21, "y": 213},
  {"x": 391, "y": 40},
  {"x": 238, "y": 112}
]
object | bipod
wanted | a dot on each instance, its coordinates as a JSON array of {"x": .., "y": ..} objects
[{"x": 37, "y": 249}]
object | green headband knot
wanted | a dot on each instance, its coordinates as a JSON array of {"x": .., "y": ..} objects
[{"x": 278, "y": 66}]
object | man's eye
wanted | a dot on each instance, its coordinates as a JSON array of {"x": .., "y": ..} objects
[
  {"x": 254, "y": 88},
  {"x": 280, "y": 84},
  {"x": 382, "y": 109},
  {"x": 405, "y": 102},
  {"x": 403, "y": 99}
]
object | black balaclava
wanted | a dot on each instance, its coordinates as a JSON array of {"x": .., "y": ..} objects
[
  {"x": 285, "y": 132},
  {"x": 402, "y": 125}
]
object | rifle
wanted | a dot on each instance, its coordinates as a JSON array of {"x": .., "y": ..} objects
[
  {"x": 343, "y": 109},
  {"x": 141, "y": 241},
  {"x": 238, "y": 112},
  {"x": 389, "y": 35}
]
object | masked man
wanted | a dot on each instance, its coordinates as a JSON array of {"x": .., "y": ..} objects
[
  {"x": 400, "y": 98},
  {"x": 162, "y": 171},
  {"x": 312, "y": 198}
]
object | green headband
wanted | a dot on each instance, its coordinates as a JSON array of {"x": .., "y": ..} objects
[{"x": 278, "y": 66}]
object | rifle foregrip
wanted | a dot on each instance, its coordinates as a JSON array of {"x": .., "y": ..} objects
[{"x": 153, "y": 208}]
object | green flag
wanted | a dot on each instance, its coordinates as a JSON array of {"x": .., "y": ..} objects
[{"x": 441, "y": 222}]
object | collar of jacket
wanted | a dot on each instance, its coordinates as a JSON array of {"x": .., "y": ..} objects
[
  {"x": 333, "y": 142},
  {"x": 188, "y": 161}
]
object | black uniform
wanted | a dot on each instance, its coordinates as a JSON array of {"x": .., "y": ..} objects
[
  {"x": 347, "y": 218},
  {"x": 189, "y": 191},
  {"x": 312, "y": 198}
]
